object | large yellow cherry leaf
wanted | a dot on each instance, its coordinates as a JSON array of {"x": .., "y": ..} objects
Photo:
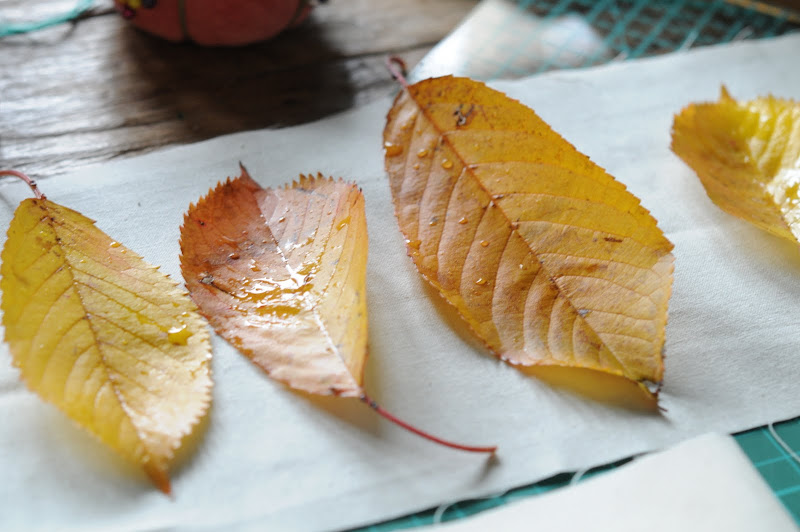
[
  {"x": 747, "y": 155},
  {"x": 103, "y": 335},
  {"x": 549, "y": 260},
  {"x": 281, "y": 274}
]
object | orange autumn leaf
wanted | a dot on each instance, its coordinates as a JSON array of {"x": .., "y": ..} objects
[
  {"x": 747, "y": 155},
  {"x": 281, "y": 274},
  {"x": 548, "y": 258},
  {"x": 103, "y": 335}
]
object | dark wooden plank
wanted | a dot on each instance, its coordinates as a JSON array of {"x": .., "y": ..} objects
[{"x": 100, "y": 89}]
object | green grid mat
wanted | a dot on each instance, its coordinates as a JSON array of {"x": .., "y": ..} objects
[
  {"x": 779, "y": 469},
  {"x": 632, "y": 29},
  {"x": 627, "y": 29}
]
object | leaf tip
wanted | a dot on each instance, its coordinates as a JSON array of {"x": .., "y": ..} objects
[
  {"x": 244, "y": 173},
  {"x": 156, "y": 470},
  {"x": 163, "y": 484}
]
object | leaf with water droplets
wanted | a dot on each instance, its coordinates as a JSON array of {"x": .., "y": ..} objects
[
  {"x": 281, "y": 274},
  {"x": 549, "y": 259},
  {"x": 103, "y": 335},
  {"x": 747, "y": 155}
]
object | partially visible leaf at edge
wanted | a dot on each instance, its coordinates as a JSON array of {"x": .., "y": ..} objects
[
  {"x": 281, "y": 274},
  {"x": 747, "y": 155},
  {"x": 548, "y": 258},
  {"x": 103, "y": 335}
]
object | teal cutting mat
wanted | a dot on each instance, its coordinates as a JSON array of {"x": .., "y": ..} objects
[
  {"x": 580, "y": 33},
  {"x": 631, "y": 29}
]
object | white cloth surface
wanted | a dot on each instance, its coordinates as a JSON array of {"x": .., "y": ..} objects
[
  {"x": 272, "y": 459},
  {"x": 706, "y": 483}
]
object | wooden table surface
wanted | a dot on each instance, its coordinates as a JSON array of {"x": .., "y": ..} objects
[{"x": 98, "y": 89}]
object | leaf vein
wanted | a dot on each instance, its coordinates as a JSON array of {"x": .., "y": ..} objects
[
  {"x": 469, "y": 252},
  {"x": 626, "y": 335},
  {"x": 45, "y": 318},
  {"x": 575, "y": 226},
  {"x": 137, "y": 295},
  {"x": 595, "y": 258},
  {"x": 610, "y": 281},
  {"x": 50, "y": 357}
]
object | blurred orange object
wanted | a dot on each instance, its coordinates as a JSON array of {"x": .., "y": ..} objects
[{"x": 214, "y": 23}]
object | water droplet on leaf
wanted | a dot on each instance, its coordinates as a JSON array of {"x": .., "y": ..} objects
[
  {"x": 392, "y": 149},
  {"x": 179, "y": 334}
]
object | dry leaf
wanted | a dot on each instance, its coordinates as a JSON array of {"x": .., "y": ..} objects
[
  {"x": 103, "y": 335},
  {"x": 747, "y": 156},
  {"x": 281, "y": 274},
  {"x": 548, "y": 259}
]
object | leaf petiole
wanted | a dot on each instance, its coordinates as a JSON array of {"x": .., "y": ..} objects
[
  {"x": 398, "y": 68},
  {"x": 31, "y": 183},
  {"x": 473, "y": 449}
]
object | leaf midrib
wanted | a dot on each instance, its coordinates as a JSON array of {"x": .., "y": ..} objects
[
  {"x": 98, "y": 345},
  {"x": 313, "y": 309}
]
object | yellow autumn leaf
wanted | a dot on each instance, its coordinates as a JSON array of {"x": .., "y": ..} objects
[
  {"x": 548, "y": 258},
  {"x": 747, "y": 155},
  {"x": 103, "y": 335}
]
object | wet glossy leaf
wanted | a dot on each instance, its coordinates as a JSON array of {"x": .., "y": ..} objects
[
  {"x": 548, "y": 258},
  {"x": 103, "y": 335},
  {"x": 281, "y": 274},
  {"x": 747, "y": 155}
]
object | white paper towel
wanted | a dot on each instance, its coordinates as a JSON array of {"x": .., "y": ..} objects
[
  {"x": 703, "y": 484},
  {"x": 274, "y": 459}
]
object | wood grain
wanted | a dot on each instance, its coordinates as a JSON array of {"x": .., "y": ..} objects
[{"x": 98, "y": 89}]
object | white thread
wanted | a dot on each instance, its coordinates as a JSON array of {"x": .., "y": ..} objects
[
  {"x": 693, "y": 35},
  {"x": 782, "y": 443},
  {"x": 440, "y": 510},
  {"x": 743, "y": 34},
  {"x": 439, "y": 513},
  {"x": 578, "y": 476}
]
